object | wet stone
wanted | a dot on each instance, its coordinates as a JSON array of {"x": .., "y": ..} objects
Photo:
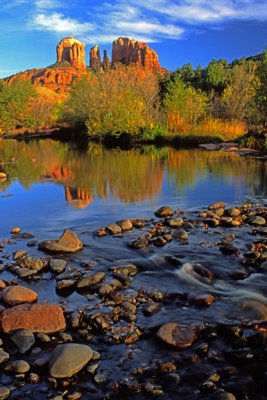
[
  {"x": 212, "y": 222},
  {"x": 216, "y": 205},
  {"x": 68, "y": 359},
  {"x": 164, "y": 212},
  {"x": 65, "y": 284},
  {"x": 159, "y": 241},
  {"x": 105, "y": 289},
  {"x": 179, "y": 336},
  {"x": 17, "y": 367},
  {"x": 203, "y": 300},
  {"x": 18, "y": 254},
  {"x": 257, "y": 220},
  {"x": 4, "y": 356},
  {"x": 138, "y": 243},
  {"x": 129, "y": 269},
  {"x": 125, "y": 224},
  {"x": 181, "y": 234},
  {"x": 221, "y": 395},
  {"x": 114, "y": 229},
  {"x": 91, "y": 281},
  {"x": 151, "y": 309},
  {"x": 24, "y": 340},
  {"x": 15, "y": 230},
  {"x": 57, "y": 265},
  {"x": 14, "y": 295},
  {"x": 175, "y": 222},
  {"x": 233, "y": 212},
  {"x": 4, "y": 392},
  {"x": 67, "y": 243}
]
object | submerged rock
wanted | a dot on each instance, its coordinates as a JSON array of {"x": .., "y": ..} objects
[
  {"x": 67, "y": 243},
  {"x": 179, "y": 336},
  {"x": 24, "y": 340},
  {"x": 68, "y": 359}
]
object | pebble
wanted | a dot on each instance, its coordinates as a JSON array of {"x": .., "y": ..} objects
[
  {"x": 91, "y": 281},
  {"x": 4, "y": 356},
  {"x": 214, "y": 206},
  {"x": 114, "y": 229},
  {"x": 65, "y": 284},
  {"x": 151, "y": 309},
  {"x": 15, "y": 230},
  {"x": 181, "y": 234},
  {"x": 138, "y": 243},
  {"x": 175, "y": 222},
  {"x": 17, "y": 367},
  {"x": 4, "y": 392},
  {"x": 68, "y": 359},
  {"x": 257, "y": 220},
  {"x": 125, "y": 224},
  {"x": 57, "y": 265}
]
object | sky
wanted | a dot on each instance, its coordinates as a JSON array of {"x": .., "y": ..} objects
[{"x": 181, "y": 31}]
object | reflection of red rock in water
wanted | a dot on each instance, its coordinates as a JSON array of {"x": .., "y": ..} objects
[
  {"x": 78, "y": 198},
  {"x": 60, "y": 174}
]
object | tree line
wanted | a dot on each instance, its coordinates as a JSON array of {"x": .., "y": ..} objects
[{"x": 223, "y": 99}]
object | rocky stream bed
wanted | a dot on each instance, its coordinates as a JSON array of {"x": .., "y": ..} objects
[{"x": 174, "y": 307}]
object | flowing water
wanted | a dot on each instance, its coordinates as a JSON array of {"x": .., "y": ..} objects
[{"x": 52, "y": 185}]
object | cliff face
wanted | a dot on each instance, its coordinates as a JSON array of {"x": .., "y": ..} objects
[
  {"x": 95, "y": 60},
  {"x": 72, "y": 51},
  {"x": 56, "y": 79},
  {"x": 129, "y": 51}
]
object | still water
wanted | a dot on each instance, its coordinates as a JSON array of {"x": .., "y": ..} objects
[{"x": 52, "y": 185}]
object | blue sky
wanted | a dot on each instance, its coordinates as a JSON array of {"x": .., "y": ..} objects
[{"x": 180, "y": 31}]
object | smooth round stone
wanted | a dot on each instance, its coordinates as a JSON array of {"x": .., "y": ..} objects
[
  {"x": 114, "y": 229},
  {"x": 57, "y": 265},
  {"x": 4, "y": 356},
  {"x": 15, "y": 230},
  {"x": 176, "y": 222},
  {"x": 14, "y": 295},
  {"x": 68, "y": 359},
  {"x": 203, "y": 300},
  {"x": 179, "y": 336},
  {"x": 233, "y": 212},
  {"x": 18, "y": 367},
  {"x": 181, "y": 234},
  {"x": 138, "y": 243},
  {"x": 125, "y": 224},
  {"x": 4, "y": 392},
  {"x": 164, "y": 211},
  {"x": 257, "y": 220}
]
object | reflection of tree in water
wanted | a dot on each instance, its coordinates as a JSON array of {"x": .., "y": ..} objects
[{"x": 129, "y": 176}]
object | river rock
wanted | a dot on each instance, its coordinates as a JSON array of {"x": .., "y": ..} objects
[
  {"x": 254, "y": 309},
  {"x": 214, "y": 206},
  {"x": 180, "y": 234},
  {"x": 176, "y": 222},
  {"x": 164, "y": 211},
  {"x": 257, "y": 220},
  {"x": 65, "y": 284},
  {"x": 47, "y": 318},
  {"x": 138, "y": 243},
  {"x": 57, "y": 265},
  {"x": 4, "y": 356},
  {"x": 67, "y": 243},
  {"x": 233, "y": 212},
  {"x": 203, "y": 300},
  {"x": 15, "y": 230},
  {"x": 114, "y": 229},
  {"x": 19, "y": 254},
  {"x": 91, "y": 281},
  {"x": 179, "y": 336},
  {"x": 24, "y": 340},
  {"x": 68, "y": 359},
  {"x": 17, "y": 367},
  {"x": 125, "y": 224},
  {"x": 14, "y": 295},
  {"x": 4, "y": 392}
]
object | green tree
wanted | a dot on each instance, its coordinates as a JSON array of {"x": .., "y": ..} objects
[{"x": 261, "y": 91}]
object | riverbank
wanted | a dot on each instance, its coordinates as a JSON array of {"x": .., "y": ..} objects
[{"x": 174, "y": 304}]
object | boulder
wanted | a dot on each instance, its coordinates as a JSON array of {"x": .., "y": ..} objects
[
  {"x": 68, "y": 359},
  {"x": 67, "y": 243},
  {"x": 47, "y": 318}
]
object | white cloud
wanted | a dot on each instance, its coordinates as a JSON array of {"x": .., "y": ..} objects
[
  {"x": 47, "y": 4},
  {"x": 56, "y": 22}
]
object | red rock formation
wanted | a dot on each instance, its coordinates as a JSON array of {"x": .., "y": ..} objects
[
  {"x": 95, "y": 61},
  {"x": 72, "y": 51},
  {"x": 129, "y": 51},
  {"x": 106, "y": 61},
  {"x": 58, "y": 79}
]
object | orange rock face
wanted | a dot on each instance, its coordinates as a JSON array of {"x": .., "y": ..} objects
[
  {"x": 47, "y": 318},
  {"x": 58, "y": 79},
  {"x": 129, "y": 51},
  {"x": 72, "y": 51},
  {"x": 15, "y": 295},
  {"x": 95, "y": 60}
]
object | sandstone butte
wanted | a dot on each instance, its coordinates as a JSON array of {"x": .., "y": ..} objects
[{"x": 70, "y": 64}]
